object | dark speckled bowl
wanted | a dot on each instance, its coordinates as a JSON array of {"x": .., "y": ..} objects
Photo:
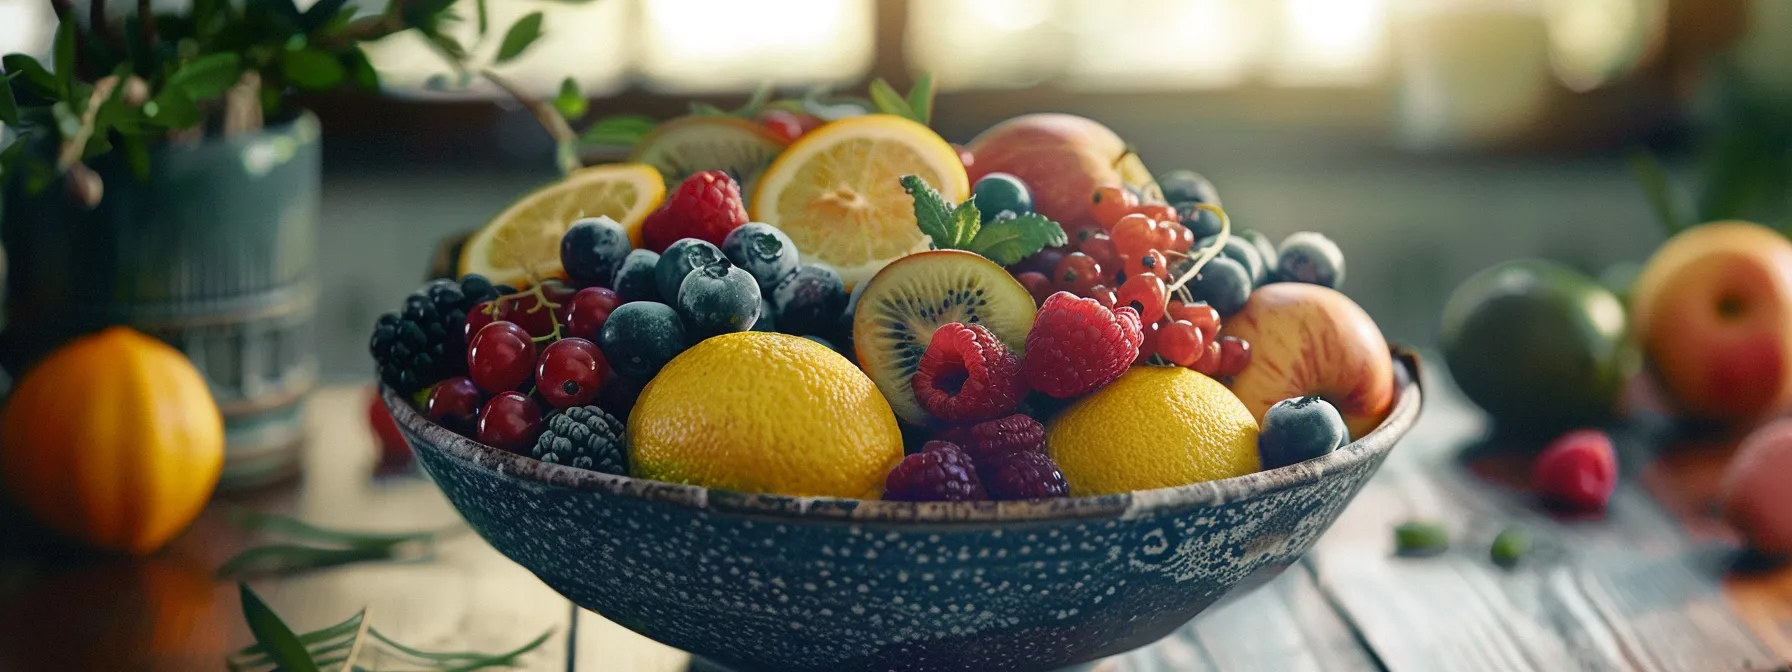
[{"x": 766, "y": 582}]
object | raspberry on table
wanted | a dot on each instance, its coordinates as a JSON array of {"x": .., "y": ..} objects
[
  {"x": 968, "y": 375},
  {"x": 994, "y": 439},
  {"x": 1025, "y": 475},
  {"x": 1578, "y": 471},
  {"x": 1077, "y": 345},
  {"x": 941, "y": 472},
  {"x": 706, "y": 206},
  {"x": 585, "y": 437}
]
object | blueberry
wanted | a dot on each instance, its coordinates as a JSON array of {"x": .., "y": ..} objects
[
  {"x": 1242, "y": 251},
  {"x": 1187, "y": 186},
  {"x": 1300, "y": 429},
  {"x": 718, "y": 299},
  {"x": 811, "y": 301},
  {"x": 504, "y": 290},
  {"x": 640, "y": 337},
  {"x": 1265, "y": 249},
  {"x": 592, "y": 249},
  {"x": 679, "y": 259},
  {"x": 1311, "y": 258},
  {"x": 999, "y": 192},
  {"x": 477, "y": 287},
  {"x": 763, "y": 250},
  {"x": 765, "y": 322},
  {"x": 1202, "y": 223},
  {"x": 1223, "y": 283},
  {"x": 634, "y": 278}
]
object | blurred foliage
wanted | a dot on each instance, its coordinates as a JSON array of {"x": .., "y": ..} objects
[{"x": 1742, "y": 163}]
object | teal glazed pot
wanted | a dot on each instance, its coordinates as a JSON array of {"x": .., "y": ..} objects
[
  {"x": 772, "y": 582},
  {"x": 214, "y": 253}
]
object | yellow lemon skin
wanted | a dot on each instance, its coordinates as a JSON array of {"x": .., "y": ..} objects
[
  {"x": 1155, "y": 427},
  {"x": 765, "y": 413}
]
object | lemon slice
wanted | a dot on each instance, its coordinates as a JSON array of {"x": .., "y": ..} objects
[
  {"x": 837, "y": 191},
  {"x": 525, "y": 237},
  {"x": 687, "y": 145}
]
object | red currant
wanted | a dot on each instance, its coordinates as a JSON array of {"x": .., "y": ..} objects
[
  {"x": 584, "y": 316},
  {"x": 1158, "y": 212},
  {"x": 1109, "y": 204},
  {"x": 454, "y": 404},
  {"x": 1037, "y": 284},
  {"x": 570, "y": 372},
  {"x": 1209, "y": 363},
  {"x": 1149, "y": 262},
  {"x": 1182, "y": 343},
  {"x": 1076, "y": 270},
  {"x": 1134, "y": 235},
  {"x": 1163, "y": 234},
  {"x": 1101, "y": 247},
  {"x": 501, "y": 357},
  {"x": 1145, "y": 292},
  {"x": 1184, "y": 240},
  {"x": 1101, "y": 294},
  {"x": 1235, "y": 354},
  {"x": 1042, "y": 262},
  {"x": 482, "y": 314},
  {"x": 510, "y": 421},
  {"x": 1153, "y": 341},
  {"x": 1198, "y": 313}
]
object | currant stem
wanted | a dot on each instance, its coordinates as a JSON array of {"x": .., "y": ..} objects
[{"x": 1209, "y": 252}]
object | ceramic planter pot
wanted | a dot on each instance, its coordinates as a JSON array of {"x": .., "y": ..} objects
[
  {"x": 770, "y": 582},
  {"x": 214, "y": 253}
]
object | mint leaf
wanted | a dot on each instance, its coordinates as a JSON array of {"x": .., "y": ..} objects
[
  {"x": 283, "y": 647},
  {"x": 571, "y": 103},
  {"x": 622, "y": 130},
  {"x": 966, "y": 223},
  {"x": 1006, "y": 241},
  {"x": 521, "y": 34},
  {"x": 920, "y": 98},
  {"x": 9, "y": 107},
  {"x": 888, "y": 101},
  {"x": 932, "y": 214}
]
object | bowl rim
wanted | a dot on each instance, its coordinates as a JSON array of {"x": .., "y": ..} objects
[{"x": 528, "y": 472}]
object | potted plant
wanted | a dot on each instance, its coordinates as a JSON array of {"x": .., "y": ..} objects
[{"x": 158, "y": 174}]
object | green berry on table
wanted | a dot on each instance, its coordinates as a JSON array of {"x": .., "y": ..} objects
[
  {"x": 1223, "y": 283},
  {"x": 1187, "y": 186},
  {"x": 1299, "y": 429},
  {"x": 1311, "y": 258},
  {"x": 592, "y": 249},
  {"x": 1510, "y": 546},
  {"x": 585, "y": 437},
  {"x": 764, "y": 251},
  {"x": 811, "y": 301},
  {"x": 679, "y": 259},
  {"x": 1420, "y": 538},
  {"x": 635, "y": 277},
  {"x": 996, "y": 193},
  {"x": 718, "y": 299},
  {"x": 640, "y": 337}
]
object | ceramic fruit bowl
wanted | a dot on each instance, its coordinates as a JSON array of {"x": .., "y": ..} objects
[{"x": 768, "y": 582}]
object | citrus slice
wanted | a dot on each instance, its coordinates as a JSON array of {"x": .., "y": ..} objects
[
  {"x": 526, "y": 236},
  {"x": 837, "y": 191},
  {"x": 686, "y": 145}
]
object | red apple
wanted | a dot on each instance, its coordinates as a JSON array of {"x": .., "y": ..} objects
[
  {"x": 1712, "y": 311},
  {"x": 1755, "y": 497},
  {"x": 1062, "y": 158},
  {"x": 1310, "y": 340}
]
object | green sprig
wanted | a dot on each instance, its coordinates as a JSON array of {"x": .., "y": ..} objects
[
  {"x": 312, "y": 547},
  {"x": 341, "y": 644}
]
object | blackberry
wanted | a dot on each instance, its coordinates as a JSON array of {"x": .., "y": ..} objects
[
  {"x": 585, "y": 437},
  {"x": 424, "y": 342}
]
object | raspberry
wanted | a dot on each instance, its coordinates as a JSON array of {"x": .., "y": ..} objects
[
  {"x": 988, "y": 441},
  {"x": 585, "y": 437},
  {"x": 1026, "y": 475},
  {"x": 968, "y": 375},
  {"x": 941, "y": 472},
  {"x": 1077, "y": 345},
  {"x": 706, "y": 206},
  {"x": 1578, "y": 471}
]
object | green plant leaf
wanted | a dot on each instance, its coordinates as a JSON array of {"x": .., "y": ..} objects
[
  {"x": 1658, "y": 186},
  {"x": 966, "y": 224},
  {"x": 571, "y": 103},
  {"x": 521, "y": 34},
  {"x": 273, "y": 634},
  {"x": 207, "y": 76},
  {"x": 360, "y": 70},
  {"x": 320, "y": 14},
  {"x": 271, "y": 523},
  {"x": 622, "y": 130},
  {"x": 311, "y": 69},
  {"x": 888, "y": 101},
  {"x": 702, "y": 109},
  {"x": 172, "y": 109},
  {"x": 9, "y": 157},
  {"x": 465, "y": 658},
  {"x": 62, "y": 50},
  {"x": 920, "y": 98},
  {"x": 483, "y": 16},
  {"x": 932, "y": 214},
  {"x": 35, "y": 79},
  {"x": 1006, "y": 241},
  {"x": 756, "y": 102},
  {"x": 136, "y": 155},
  {"x": 294, "y": 558},
  {"x": 9, "y": 106},
  {"x": 817, "y": 104}
]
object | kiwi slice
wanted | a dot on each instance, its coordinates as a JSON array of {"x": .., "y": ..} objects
[
  {"x": 692, "y": 144},
  {"x": 914, "y": 295}
]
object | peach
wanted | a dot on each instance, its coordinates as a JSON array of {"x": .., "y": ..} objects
[
  {"x": 1062, "y": 158},
  {"x": 1755, "y": 497},
  {"x": 1712, "y": 312},
  {"x": 1308, "y": 340}
]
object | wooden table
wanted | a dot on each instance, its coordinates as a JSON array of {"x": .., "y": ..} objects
[{"x": 1644, "y": 588}]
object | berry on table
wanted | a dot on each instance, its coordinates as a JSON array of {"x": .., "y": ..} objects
[
  {"x": 682, "y": 257},
  {"x": 811, "y": 301},
  {"x": 584, "y": 316},
  {"x": 510, "y": 422},
  {"x": 1235, "y": 355},
  {"x": 1037, "y": 284},
  {"x": 718, "y": 299},
  {"x": 570, "y": 372},
  {"x": 968, "y": 375},
  {"x": 592, "y": 249},
  {"x": 764, "y": 251},
  {"x": 1578, "y": 471},
  {"x": 706, "y": 206},
  {"x": 641, "y": 337},
  {"x": 1509, "y": 547},
  {"x": 1076, "y": 270},
  {"x": 585, "y": 437},
  {"x": 1077, "y": 345},
  {"x": 1109, "y": 204},
  {"x": 1182, "y": 343},
  {"x": 1146, "y": 294},
  {"x": 1025, "y": 475},
  {"x": 1311, "y": 258},
  {"x": 1421, "y": 538},
  {"x": 1000, "y": 192},
  {"x": 501, "y": 357},
  {"x": 1187, "y": 186},
  {"x": 941, "y": 472},
  {"x": 1223, "y": 283},
  {"x": 635, "y": 277},
  {"x": 1299, "y": 429},
  {"x": 454, "y": 403}
]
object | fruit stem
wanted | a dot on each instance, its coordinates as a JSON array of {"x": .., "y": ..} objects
[{"x": 1209, "y": 252}]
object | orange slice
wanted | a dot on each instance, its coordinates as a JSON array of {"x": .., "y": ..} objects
[{"x": 525, "y": 238}]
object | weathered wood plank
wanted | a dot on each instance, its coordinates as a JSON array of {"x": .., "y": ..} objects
[{"x": 1284, "y": 626}]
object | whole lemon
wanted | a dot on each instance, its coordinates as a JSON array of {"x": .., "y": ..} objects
[
  {"x": 764, "y": 412},
  {"x": 1155, "y": 427}
]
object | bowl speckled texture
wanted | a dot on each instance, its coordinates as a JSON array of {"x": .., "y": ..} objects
[{"x": 768, "y": 582}]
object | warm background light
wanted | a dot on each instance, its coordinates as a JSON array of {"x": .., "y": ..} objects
[{"x": 711, "y": 45}]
